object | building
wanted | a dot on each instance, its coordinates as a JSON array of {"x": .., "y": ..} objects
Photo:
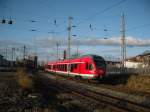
[
  {"x": 6, "y": 63},
  {"x": 139, "y": 61}
]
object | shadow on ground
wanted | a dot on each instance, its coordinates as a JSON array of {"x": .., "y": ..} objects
[{"x": 113, "y": 79}]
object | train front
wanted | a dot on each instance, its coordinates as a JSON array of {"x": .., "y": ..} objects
[{"x": 100, "y": 67}]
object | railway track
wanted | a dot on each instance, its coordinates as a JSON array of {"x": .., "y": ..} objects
[{"x": 115, "y": 100}]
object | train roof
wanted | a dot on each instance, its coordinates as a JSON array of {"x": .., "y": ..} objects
[{"x": 91, "y": 55}]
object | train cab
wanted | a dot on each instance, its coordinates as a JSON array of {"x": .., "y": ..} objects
[{"x": 100, "y": 66}]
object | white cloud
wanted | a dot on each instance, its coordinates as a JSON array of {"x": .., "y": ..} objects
[
  {"x": 50, "y": 41},
  {"x": 131, "y": 41},
  {"x": 137, "y": 41}
]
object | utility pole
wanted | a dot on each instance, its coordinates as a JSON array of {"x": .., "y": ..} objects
[
  {"x": 69, "y": 40},
  {"x": 12, "y": 63},
  {"x": 69, "y": 36},
  {"x": 24, "y": 52},
  {"x": 77, "y": 49},
  {"x": 123, "y": 42},
  {"x": 13, "y": 54},
  {"x": 6, "y": 53},
  {"x": 57, "y": 50}
]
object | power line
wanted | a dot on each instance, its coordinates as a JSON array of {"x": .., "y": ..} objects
[
  {"x": 137, "y": 27},
  {"x": 101, "y": 12}
]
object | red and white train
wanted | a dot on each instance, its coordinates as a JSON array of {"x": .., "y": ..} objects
[{"x": 88, "y": 67}]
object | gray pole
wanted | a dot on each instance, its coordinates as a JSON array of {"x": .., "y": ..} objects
[
  {"x": 123, "y": 43},
  {"x": 24, "y": 51},
  {"x": 69, "y": 41},
  {"x": 12, "y": 54},
  {"x": 6, "y": 53},
  {"x": 12, "y": 57},
  {"x": 57, "y": 50},
  {"x": 77, "y": 49},
  {"x": 69, "y": 36}
]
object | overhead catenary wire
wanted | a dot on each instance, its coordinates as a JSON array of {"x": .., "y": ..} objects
[
  {"x": 138, "y": 27},
  {"x": 98, "y": 13},
  {"x": 102, "y": 11}
]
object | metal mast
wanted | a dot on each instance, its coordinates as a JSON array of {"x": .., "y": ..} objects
[
  {"x": 57, "y": 50},
  {"x": 24, "y": 52},
  {"x": 69, "y": 35},
  {"x": 123, "y": 42},
  {"x": 6, "y": 53},
  {"x": 69, "y": 41}
]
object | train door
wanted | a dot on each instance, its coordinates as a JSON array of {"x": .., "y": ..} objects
[
  {"x": 86, "y": 67},
  {"x": 89, "y": 67}
]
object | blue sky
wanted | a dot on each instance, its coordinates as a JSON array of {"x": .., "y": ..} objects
[{"x": 101, "y": 14}]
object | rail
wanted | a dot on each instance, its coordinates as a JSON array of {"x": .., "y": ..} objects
[{"x": 118, "y": 100}]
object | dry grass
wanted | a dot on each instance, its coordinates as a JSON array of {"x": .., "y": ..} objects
[
  {"x": 139, "y": 83},
  {"x": 23, "y": 79}
]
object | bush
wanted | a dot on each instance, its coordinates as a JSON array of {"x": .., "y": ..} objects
[
  {"x": 23, "y": 80},
  {"x": 139, "y": 83}
]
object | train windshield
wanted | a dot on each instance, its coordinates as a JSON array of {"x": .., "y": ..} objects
[{"x": 99, "y": 62}]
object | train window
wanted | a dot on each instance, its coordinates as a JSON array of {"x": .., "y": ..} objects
[
  {"x": 87, "y": 67},
  {"x": 72, "y": 65},
  {"x": 90, "y": 67},
  {"x": 99, "y": 62},
  {"x": 69, "y": 67},
  {"x": 48, "y": 66},
  {"x": 75, "y": 66},
  {"x": 61, "y": 67},
  {"x": 65, "y": 67}
]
